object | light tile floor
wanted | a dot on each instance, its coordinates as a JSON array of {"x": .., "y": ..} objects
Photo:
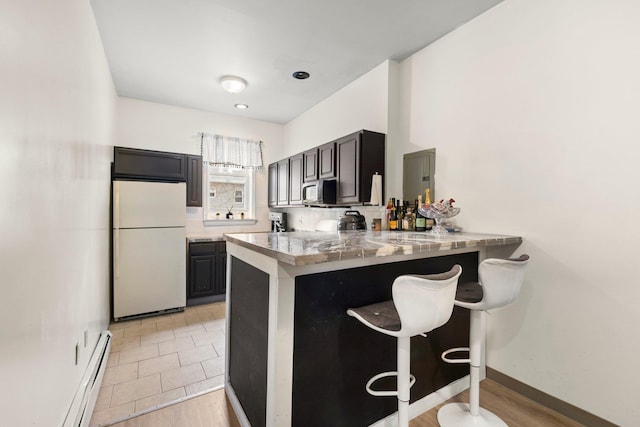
[{"x": 158, "y": 360}]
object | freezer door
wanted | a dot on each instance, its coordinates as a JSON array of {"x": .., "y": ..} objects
[
  {"x": 140, "y": 204},
  {"x": 149, "y": 270}
]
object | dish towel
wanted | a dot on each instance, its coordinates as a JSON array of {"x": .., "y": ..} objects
[{"x": 376, "y": 190}]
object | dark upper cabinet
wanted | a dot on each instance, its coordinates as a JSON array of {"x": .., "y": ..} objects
[
  {"x": 310, "y": 165},
  {"x": 194, "y": 180},
  {"x": 207, "y": 270},
  {"x": 283, "y": 182},
  {"x": 327, "y": 160},
  {"x": 273, "y": 184},
  {"x": 132, "y": 163},
  {"x": 295, "y": 179},
  {"x": 351, "y": 160},
  {"x": 348, "y": 149},
  {"x": 358, "y": 157}
]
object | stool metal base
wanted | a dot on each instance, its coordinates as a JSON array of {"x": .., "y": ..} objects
[{"x": 458, "y": 415}]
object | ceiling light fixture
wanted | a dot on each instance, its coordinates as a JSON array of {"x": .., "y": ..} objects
[
  {"x": 233, "y": 84},
  {"x": 241, "y": 106},
  {"x": 300, "y": 75}
]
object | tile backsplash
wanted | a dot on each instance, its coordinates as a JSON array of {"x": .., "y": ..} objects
[{"x": 306, "y": 219}]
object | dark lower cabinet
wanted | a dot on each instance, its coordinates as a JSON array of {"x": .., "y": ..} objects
[{"x": 206, "y": 281}]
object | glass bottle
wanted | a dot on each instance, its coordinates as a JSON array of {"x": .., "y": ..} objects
[
  {"x": 399, "y": 215},
  {"x": 390, "y": 204},
  {"x": 421, "y": 221},
  {"x": 393, "y": 219},
  {"x": 409, "y": 223}
]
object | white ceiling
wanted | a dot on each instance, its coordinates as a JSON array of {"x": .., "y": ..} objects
[{"x": 174, "y": 51}]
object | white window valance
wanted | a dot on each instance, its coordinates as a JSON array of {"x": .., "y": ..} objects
[{"x": 229, "y": 151}]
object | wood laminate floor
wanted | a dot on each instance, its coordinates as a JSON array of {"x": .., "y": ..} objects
[{"x": 214, "y": 410}]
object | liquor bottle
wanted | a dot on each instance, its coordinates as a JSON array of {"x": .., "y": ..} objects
[
  {"x": 430, "y": 222},
  {"x": 387, "y": 213},
  {"x": 421, "y": 221},
  {"x": 409, "y": 222},
  {"x": 400, "y": 215},
  {"x": 393, "y": 219}
]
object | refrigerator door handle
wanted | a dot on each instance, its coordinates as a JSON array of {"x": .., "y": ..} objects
[
  {"x": 116, "y": 205},
  {"x": 116, "y": 250},
  {"x": 116, "y": 226}
]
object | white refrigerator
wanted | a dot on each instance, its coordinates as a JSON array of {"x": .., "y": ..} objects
[{"x": 149, "y": 247}]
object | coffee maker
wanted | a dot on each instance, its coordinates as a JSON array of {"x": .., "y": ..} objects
[{"x": 278, "y": 221}]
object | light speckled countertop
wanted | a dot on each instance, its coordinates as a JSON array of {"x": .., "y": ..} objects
[{"x": 301, "y": 248}]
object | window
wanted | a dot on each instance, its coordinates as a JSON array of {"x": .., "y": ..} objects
[
  {"x": 230, "y": 193},
  {"x": 230, "y": 164}
]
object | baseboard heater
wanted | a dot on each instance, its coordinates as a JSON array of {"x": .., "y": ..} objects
[{"x": 79, "y": 414}]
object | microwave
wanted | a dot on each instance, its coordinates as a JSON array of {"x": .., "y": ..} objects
[{"x": 320, "y": 193}]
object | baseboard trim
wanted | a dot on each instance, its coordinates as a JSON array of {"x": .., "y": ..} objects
[{"x": 560, "y": 406}]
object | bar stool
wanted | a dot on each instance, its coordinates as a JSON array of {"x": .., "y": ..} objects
[
  {"x": 499, "y": 284},
  {"x": 420, "y": 304}
]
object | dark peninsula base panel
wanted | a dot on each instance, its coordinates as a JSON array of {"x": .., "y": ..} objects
[
  {"x": 248, "y": 328},
  {"x": 335, "y": 355}
]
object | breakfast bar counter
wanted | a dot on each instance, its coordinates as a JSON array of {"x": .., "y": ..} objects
[{"x": 294, "y": 357}]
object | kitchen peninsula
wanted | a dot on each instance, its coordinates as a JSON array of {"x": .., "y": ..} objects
[{"x": 295, "y": 358}]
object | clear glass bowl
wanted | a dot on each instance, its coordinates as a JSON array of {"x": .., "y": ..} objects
[{"x": 438, "y": 212}]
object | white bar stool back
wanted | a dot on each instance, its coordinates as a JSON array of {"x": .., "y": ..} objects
[
  {"x": 499, "y": 284},
  {"x": 420, "y": 304}
]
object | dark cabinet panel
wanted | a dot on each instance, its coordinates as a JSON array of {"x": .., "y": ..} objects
[
  {"x": 283, "y": 182},
  {"x": 348, "y": 149},
  {"x": 273, "y": 184},
  {"x": 131, "y": 163},
  {"x": 203, "y": 271},
  {"x": 248, "y": 340},
  {"x": 327, "y": 160},
  {"x": 207, "y": 271},
  {"x": 220, "y": 286},
  {"x": 194, "y": 180},
  {"x": 310, "y": 165},
  {"x": 358, "y": 157},
  {"x": 353, "y": 160},
  {"x": 295, "y": 179},
  {"x": 325, "y": 337}
]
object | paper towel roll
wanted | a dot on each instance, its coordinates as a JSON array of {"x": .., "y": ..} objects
[{"x": 376, "y": 190}]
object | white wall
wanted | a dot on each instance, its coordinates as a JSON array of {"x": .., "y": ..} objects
[
  {"x": 57, "y": 112},
  {"x": 362, "y": 104},
  {"x": 533, "y": 108},
  {"x": 154, "y": 126}
]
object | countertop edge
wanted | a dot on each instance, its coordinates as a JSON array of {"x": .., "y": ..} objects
[{"x": 429, "y": 246}]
